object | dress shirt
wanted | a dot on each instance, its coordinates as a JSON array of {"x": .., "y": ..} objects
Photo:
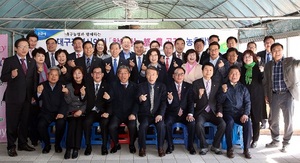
[{"x": 214, "y": 61}]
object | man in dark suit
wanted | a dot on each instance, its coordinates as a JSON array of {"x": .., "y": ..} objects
[
  {"x": 152, "y": 106},
  {"x": 78, "y": 51},
  {"x": 170, "y": 61},
  {"x": 50, "y": 55},
  {"x": 264, "y": 57},
  {"x": 124, "y": 108},
  {"x": 112, "y": 63},
  {"x": 54, "y": 109},
  {"x": 139, "y": 60},
  {"x": 179, "y": 48},
  {"x": 232, "y": 43},
  {"x": 205, "y": 93},
  {"x": 88, "y": 61},
  {"x": 32, "y": 39},
  {"x": 97, "y": 109},
  {"x": 220, "y": 64},
  {"x": 19, "y": 73},
  {"x": 199, "y": 47},
  {"x": 126, "y": 43},
  {"x": 205, "y": 55},
  {"x": 180, "y": 108}
]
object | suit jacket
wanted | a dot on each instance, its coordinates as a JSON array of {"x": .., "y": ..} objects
[
  {"x": 47, "y": 59},
  {"x": 160, "y": 99},
  {"x": 53, "y": 101},
  {"x": 262, "y": 55},
  {"x": 96, "y": 62},
  {"x": 110, "y": 76},
  {"x": 182, "y": 56},
  {"x": 172, "y": 68},
  {"x": 67, "y": 77},
  {"x": 201, "y": 103},
  {"x": 102, "y": 104},
  {"x": 205, "y": 56},
  {"x": 20, "y": 88},
  {"x": 122, "y": 55},
  {"x": 71, "y": 56},
  {"x": 289, "y": 66},
  {"x": 186, "y": 102},
  {"x": 135, "y": 75},
  {"x": 220, "y": 74},
  {"x": 124, "y": 101}
]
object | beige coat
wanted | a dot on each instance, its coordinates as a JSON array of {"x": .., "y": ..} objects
[{"x": 196, "y": 73}]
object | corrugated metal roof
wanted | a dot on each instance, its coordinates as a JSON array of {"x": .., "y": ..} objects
[{"x": 74, "y": 11}]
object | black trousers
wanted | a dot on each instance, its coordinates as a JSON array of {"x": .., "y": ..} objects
[
  {"x": 170, "y": 120},
  {"x": 145, "y": 121},
  {"x": 87, "y": 127},
  {"x": 74, "y": 133},
  {"x": 44, "y": 122},
  {"x": 33, "y": 132},
  {"x": 114, "y": 125},
  {"x": 17, "y": 115},
  {"x": 247, "y": 130}
]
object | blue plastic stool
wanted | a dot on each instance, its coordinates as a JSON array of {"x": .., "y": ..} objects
[
  {"x": 151, "y": 139},
  {"x": 237, "y": 137},
  {"x": 96, "y": 138},
  {"x": 212, "y": 129},
  {"x": 52, "y": 135},
  {"x": 180, "y": 138}
]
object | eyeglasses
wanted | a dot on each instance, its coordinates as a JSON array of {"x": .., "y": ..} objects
[{"x": 23, "y": 47}]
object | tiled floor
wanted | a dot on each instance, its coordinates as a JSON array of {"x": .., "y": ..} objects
[{"x": 180, "y": 155}]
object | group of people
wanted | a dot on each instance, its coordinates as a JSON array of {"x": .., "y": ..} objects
[{"x": 198, "y": 86}]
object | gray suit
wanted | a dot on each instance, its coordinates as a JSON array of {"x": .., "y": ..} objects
[{"x": 282, "y": 99}]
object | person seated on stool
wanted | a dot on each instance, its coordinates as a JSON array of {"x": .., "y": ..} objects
[
  {"x": 54, "y": 108},
  {"x": 236, "y": 103},
  {"x": 74, "y": 94},
  {"x": 124, "y": 108},
  {"x": 180, "y": 108},
  {"x": 207, "y": 110},
  {"x": 97, "y": 109},
  {"x": 152, "y": 106}
]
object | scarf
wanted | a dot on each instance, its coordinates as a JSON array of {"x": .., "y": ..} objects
[
  {"x": 77, "y": 87},
  {"x": 248, "y": 75},
  {"x": 189, "y": 67}
]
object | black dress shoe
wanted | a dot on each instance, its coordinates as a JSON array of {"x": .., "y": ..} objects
[
  {"x": 12, "y": 152},
  {"x": 142, "y": 152},
  {"x": 88, "y": 150},
  {"x": 253, "y": 144},
  {"x": 115, "y": 148},
  {"x": 192, "y": 150},
  {"x": 25, "y": 147},
  {"x": 169, "y": 150},
  {"x": 67, "y": 154},
  {"x": 230, "y": 153},
  {"x": 104, "y": 151},
  {"x": 132, "y": 149},
  {"x": 58, "y": 149},
  {"x": 34, "y": 143},
  {"x": 75, "y": 153},
  {"x": 46, "y": 149}
]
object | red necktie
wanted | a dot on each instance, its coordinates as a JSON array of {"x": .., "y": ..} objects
[
  {"x": 167, "y": 63},
  {"x": 78, "y": 55},
  {"x": 24, "y": 66},
  {"x": 179, "y": 91}
]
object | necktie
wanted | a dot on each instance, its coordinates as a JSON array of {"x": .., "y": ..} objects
[
  {"x": 24, "y": 66},
  {"x": 151, "y": 98},
  {"x": 179, "y": 91},
  {"x": 124, "y": 85},
  {"x": 207, "y": 109},
  {"x": 52, "y": 60},
  {"x": 88, "y": 64},
  {"x": 268, "y": 57},
  {"x": 115, "y": 66},
  {"x": 139, "y": 64},
  {"x": 78, "y": 55},
  {"x": 167, "y": 63},
  {"x": 179, "y": 55},
  {"x": 97, "y": 89}
]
